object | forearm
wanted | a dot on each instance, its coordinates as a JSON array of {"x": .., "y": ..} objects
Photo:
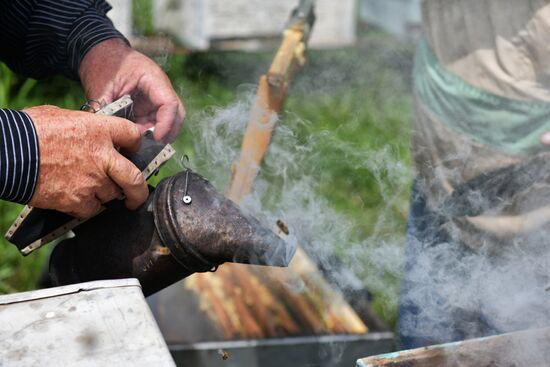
[{"x": 19, "y": 156}]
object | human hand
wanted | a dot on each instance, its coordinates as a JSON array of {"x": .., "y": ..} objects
[
  {"x": 80, "y": 167},
  {"x": 112, "y": 69}
]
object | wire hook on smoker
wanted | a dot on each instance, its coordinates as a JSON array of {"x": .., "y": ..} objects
[{"x": 186, "y": 198}]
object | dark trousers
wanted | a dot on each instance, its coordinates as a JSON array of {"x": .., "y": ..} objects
[{"x": 433, "y": 309}]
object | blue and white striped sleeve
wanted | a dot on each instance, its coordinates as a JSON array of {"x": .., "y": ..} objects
[
  {"x": 19, "y": 156},
  {"x": 46, "y": 37}
]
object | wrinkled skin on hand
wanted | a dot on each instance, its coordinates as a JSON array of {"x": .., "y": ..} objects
[
  {"x": 80, "y": 167},
  {"x": 112, "y": 69}
]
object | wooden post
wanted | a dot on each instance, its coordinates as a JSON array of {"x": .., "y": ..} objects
[{"x": 270, "y": 97}]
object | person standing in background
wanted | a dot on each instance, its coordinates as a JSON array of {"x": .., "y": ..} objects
[{"x": 482, "y": 103}]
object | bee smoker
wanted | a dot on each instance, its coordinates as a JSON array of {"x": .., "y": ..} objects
[{"x": 185, "y": 226}]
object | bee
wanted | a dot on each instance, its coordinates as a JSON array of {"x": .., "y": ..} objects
[
  {"x": 282, "y": 227},
  {"x": 223, "y": 354}
]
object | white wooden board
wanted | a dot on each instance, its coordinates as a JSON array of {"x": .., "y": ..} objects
[{"x": 102, "y": 323}]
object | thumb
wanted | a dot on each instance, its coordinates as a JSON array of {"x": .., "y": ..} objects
[{"x": 128, "y": 177}]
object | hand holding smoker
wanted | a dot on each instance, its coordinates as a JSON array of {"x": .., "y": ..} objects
[{"x": 167, "y": 239}]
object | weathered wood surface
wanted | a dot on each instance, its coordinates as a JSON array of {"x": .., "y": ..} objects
[
  {"x": 526, "y": 348},
  {"x": 88, "y": 324}
]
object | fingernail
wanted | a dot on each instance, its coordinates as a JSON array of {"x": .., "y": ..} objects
[{"x": 545, "y": 139}]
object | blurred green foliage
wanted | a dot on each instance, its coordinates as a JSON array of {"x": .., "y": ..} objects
[
  {"x": 359, "y": 94},
  {"x": 142, "y": 19}
]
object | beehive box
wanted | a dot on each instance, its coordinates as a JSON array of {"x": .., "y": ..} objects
[
  {"x": 202, "y": 24},
  {"x": 529, "y": 348},
  {"x": 102, "y": 323}
]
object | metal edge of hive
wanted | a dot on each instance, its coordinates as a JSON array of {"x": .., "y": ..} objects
[
  {"x": 290, "y": 340},
  {"x": 9, "y": 299}
]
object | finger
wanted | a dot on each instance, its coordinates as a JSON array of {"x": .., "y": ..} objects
[
  {"x": 165, "y": 117},
  {"x": 87, "y": 209},
  {"x": 108, "y": 191},
  {"x": 107, "y": 97},
  {"x": 545, "y": 139},
  {"x": 124, "y": 133},
  {"x": 180, "y": 117},
  {"x": 129, "y": 178}
]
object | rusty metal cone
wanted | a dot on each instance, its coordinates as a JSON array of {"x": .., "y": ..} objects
[
  {"x": 167, "y": 239},
  {"x": 211, "y": 228}
]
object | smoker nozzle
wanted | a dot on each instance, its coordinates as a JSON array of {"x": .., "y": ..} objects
[{"x": 167, "y": 238}]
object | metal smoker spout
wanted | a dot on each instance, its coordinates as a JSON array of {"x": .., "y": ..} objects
[{"x": 167, "y": 239}]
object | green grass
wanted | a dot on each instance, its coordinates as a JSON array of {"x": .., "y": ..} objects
[
  {"x": 348, "y": 111},
  {"x": 142, "y": 19}
]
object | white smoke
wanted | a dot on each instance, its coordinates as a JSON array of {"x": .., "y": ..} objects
[
  {"x": 450, "y": 285},
  {"x": 289, "y": 188},
  {"x": 497, "y": 286},
  {"x": 482, "y": 294}
]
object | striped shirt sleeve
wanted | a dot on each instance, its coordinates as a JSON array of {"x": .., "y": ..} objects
[
  {"x": 19, "y": 158},
  {"x": 41, "y": 38},
  {"x": 45, "y": 37}
]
